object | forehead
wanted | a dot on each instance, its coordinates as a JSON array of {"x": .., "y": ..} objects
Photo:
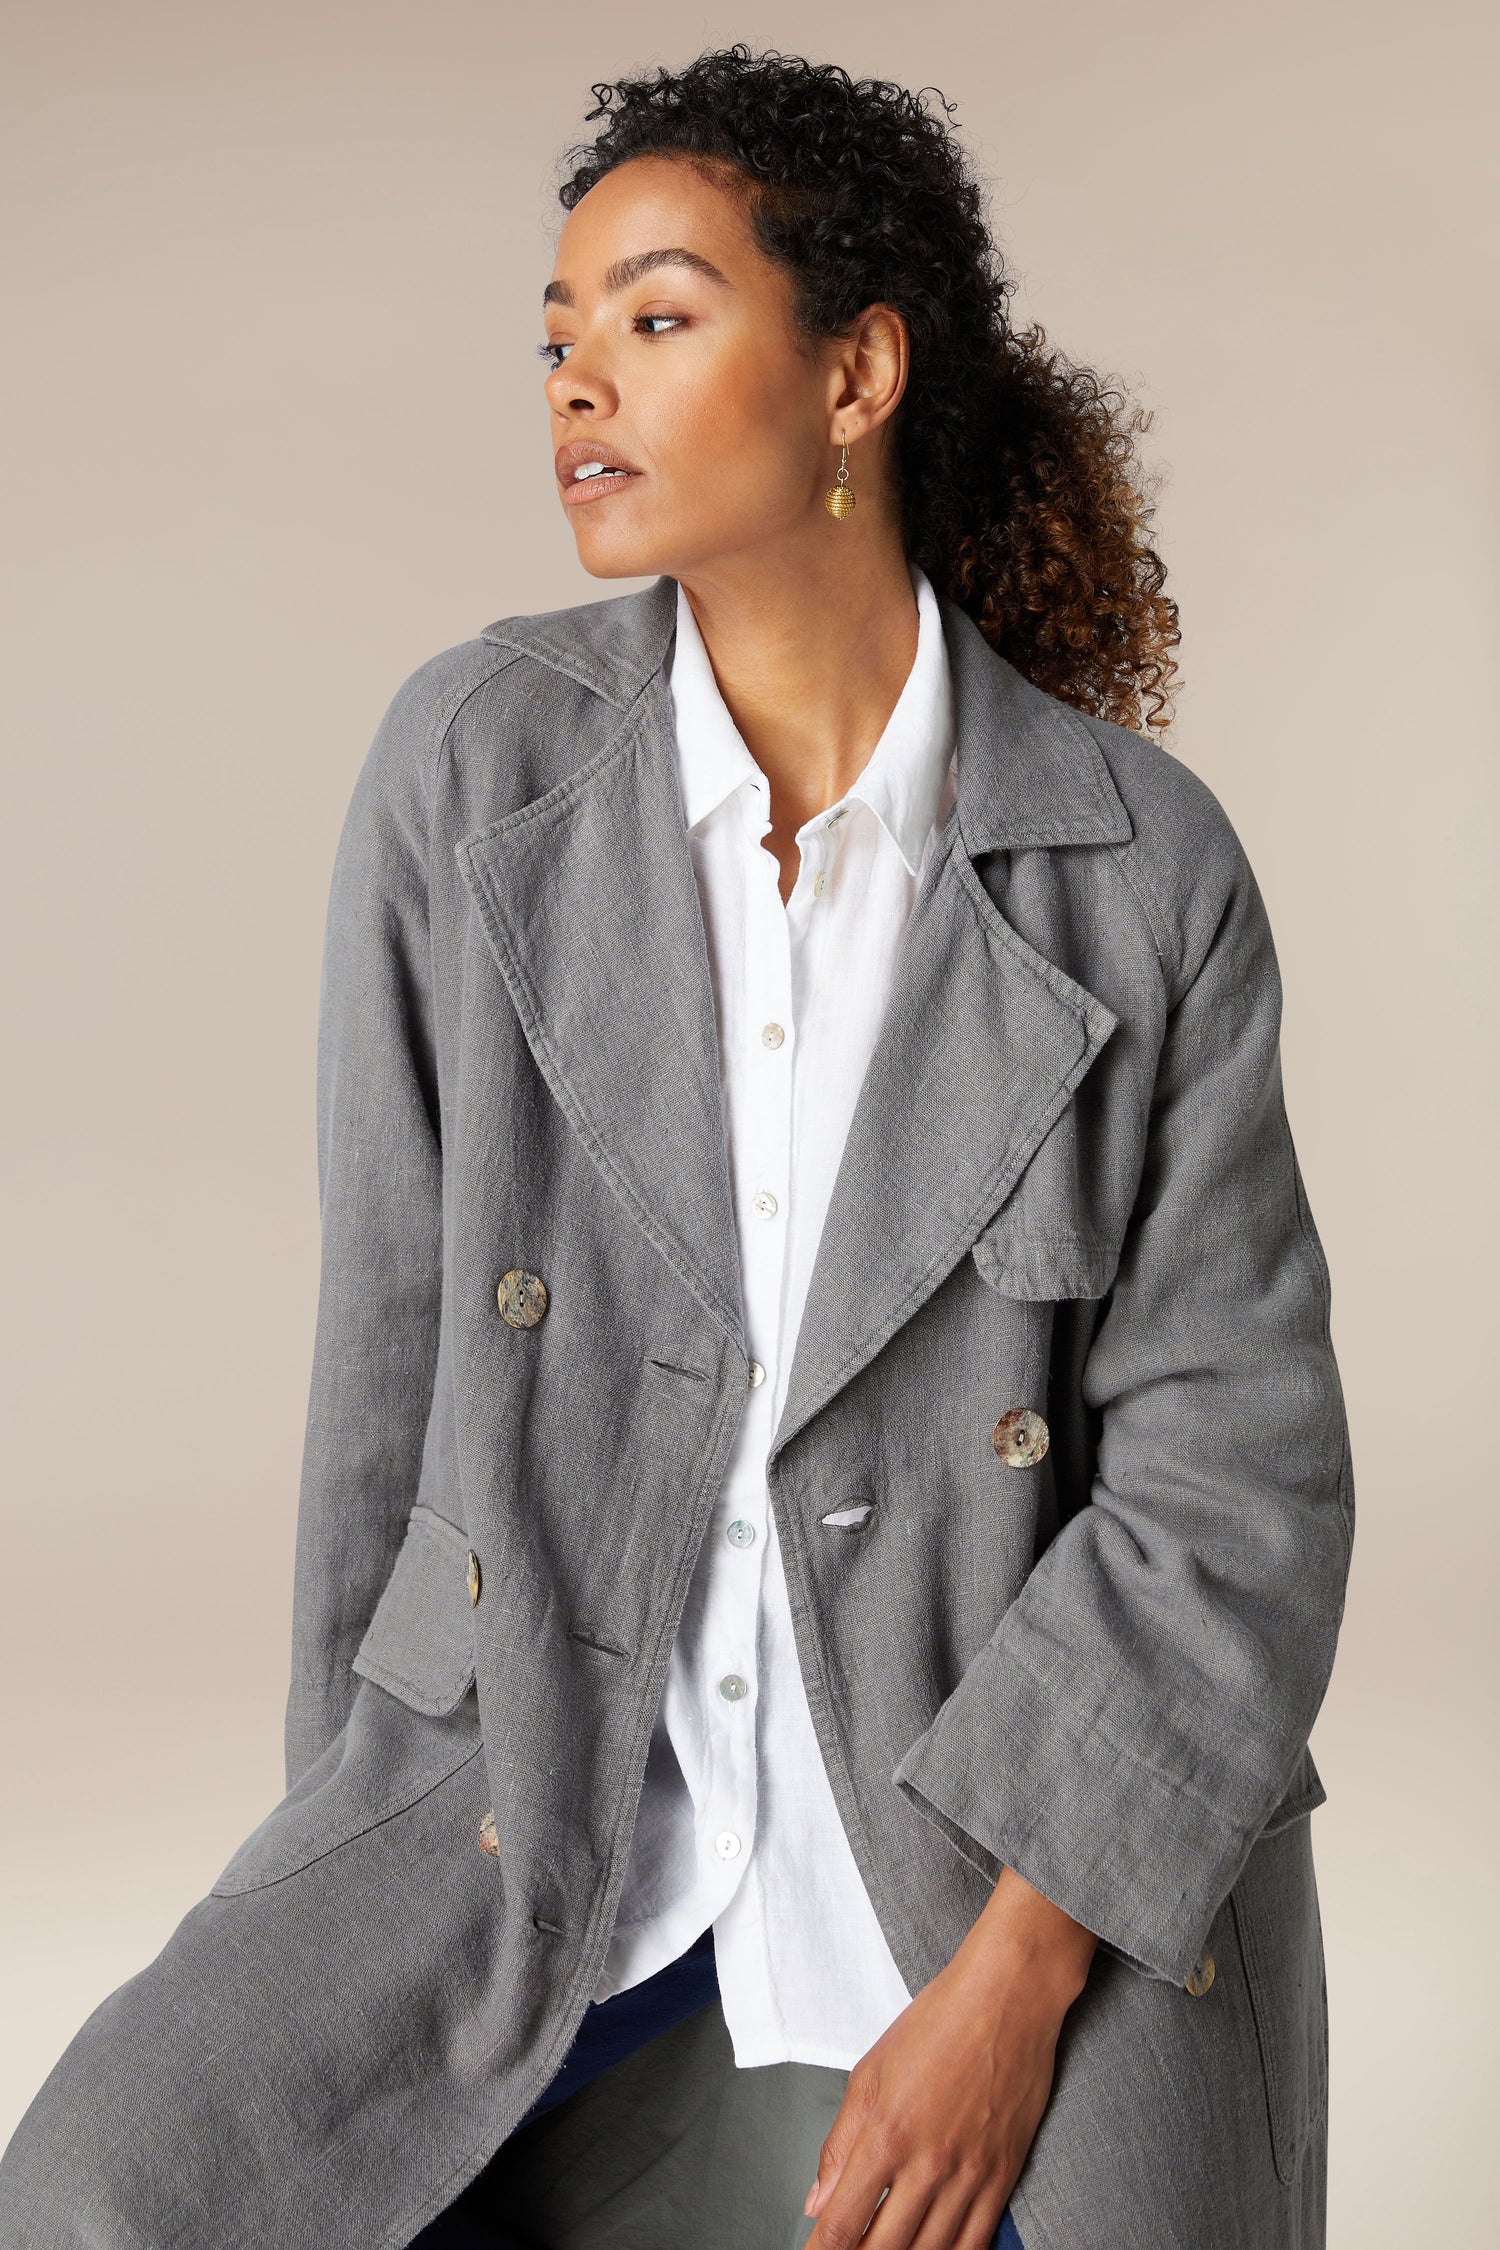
[{"x": 652, "y": 202}]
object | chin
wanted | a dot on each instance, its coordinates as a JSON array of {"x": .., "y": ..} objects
[{"x": 617, "y": 566}]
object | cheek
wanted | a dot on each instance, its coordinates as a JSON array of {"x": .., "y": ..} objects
[{"x": 735, "y": 436}]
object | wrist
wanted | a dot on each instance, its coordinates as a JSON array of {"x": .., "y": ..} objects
[{"x": 1023, "y": 1943}]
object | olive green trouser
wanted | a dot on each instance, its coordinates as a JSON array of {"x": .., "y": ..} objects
[{"x": 671, "y": 2149}]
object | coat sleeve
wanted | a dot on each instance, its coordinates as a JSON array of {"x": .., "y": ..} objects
[
  {"x": 380, "y": 1206},
  {"x": 1143, "y": 1705}
]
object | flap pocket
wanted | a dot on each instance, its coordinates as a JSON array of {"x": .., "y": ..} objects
[
  {"x": 1020, "y": 1263},
  {"x": 1061, "y": 1231},
  {"x": 420, "y": 1641},
  {"x": 396, "y": 1746}
]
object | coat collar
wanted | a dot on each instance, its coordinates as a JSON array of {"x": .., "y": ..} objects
[
  {"x": 1030, "y": 774},
  {"x": 589, "y": 900}
]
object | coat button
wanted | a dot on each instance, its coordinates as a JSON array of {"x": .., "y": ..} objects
[
  {"x": 1020, "y": 1438},
  {"x": 1201, "y": 1974},
  {"x": 471, "y": 1572},
  {"x": 488, "y": 1840},
  {"x": 522, "y": 1298}
]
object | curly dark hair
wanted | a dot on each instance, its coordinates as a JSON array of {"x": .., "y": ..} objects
[{"x": 1022, "y": 494}]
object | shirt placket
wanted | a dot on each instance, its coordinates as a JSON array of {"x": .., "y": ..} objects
[{"x": 730, "y": 1683}]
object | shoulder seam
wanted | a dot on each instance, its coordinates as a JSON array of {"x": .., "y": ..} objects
[
  {"x": 1151, "y": 914},
  {"x": 444, "y": 724}
]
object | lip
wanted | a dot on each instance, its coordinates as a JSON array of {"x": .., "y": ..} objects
[{"x": 618, "y": 472}]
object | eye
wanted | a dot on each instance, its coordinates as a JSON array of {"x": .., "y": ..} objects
[
  {"x": 658, "y": 324},
  {"x": 554, "y": 354}
]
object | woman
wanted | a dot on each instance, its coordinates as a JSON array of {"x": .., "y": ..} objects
[{"x": 826, "y": 1503}]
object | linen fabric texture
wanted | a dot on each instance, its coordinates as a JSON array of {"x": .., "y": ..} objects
[
  {"x": 737, "y": 1825},
  {"x": 1068, "y": 1186}
]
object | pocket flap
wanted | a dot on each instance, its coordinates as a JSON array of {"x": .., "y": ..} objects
[
  {"x": 420, "y": 1641},
  {"x": 1046, "y": 1266}
]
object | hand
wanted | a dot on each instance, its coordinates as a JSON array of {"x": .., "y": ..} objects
[{"x": 938, "y": 2116}]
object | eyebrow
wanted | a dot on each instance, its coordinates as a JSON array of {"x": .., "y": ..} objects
[{"x": 624, "y": 271}]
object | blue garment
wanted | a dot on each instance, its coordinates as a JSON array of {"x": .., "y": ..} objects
[{"x": 612, "y": 2029}]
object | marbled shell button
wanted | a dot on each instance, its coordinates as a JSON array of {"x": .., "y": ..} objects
[
  {"x": 1201, "y": 1975},
  {"x": 472, "y": 1577},
  {"x": 488, "y": 1840},
  {"x": 1020, "y": 1438},
  {"x": 522, "y": 1298}
]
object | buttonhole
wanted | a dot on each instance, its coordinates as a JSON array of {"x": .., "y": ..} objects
[
  {"x": 554, "y": 1929},
  {"x": 674, "y": 1367},
  {"x": 592, "y": 1640},
  {"x": 851, "y": 1518}
]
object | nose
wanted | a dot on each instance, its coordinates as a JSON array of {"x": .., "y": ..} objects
[{"x": 575, "y": 389}]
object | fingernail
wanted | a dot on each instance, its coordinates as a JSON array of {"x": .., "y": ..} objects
[{"x": 807, "y": 2202}]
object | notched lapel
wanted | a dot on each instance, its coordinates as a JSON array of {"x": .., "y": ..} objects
[
  {"x": 984, "y": 1042},
  {"x": 590, "y": 904},
  {"x": 982, "y": 1046}
]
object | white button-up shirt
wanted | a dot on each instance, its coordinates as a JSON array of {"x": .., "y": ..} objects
[{"x": 737, "y": 1824}]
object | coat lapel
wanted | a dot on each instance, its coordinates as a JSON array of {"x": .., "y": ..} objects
[
  {"x": 590, "y": 903},
  {"x": 983, "y": 1042}
]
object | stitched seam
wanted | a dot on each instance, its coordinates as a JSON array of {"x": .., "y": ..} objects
[
  {"x": 1150, "y": 911},
  {"x": 432, "y": 1702},
  {"x": 1286, "y": 2144},
  {"x": 444, "y": 726},
  {"x": 561, "y": 792},
  {"x": 1100, "y": 1726},
  {"x": 1067, "y": 989},
  {"x": 388, "y": 1811},
  {"x": 572, "y": 670}
]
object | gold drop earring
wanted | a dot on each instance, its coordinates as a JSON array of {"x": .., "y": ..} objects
[{"x": 838, "y": 499}]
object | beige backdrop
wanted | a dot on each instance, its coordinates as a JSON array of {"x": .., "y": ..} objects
[{"x": 277, "y": 435}]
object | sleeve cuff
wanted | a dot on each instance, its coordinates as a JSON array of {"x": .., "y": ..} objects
[{"x": 1016, "y": 1776}]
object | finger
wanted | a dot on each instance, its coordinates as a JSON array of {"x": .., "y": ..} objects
[
  {"x": 834, "y": 2154},
  {"x": 899, "y": 2211},
  {"x": 851, "y": 2202},
  {"x": 959, "y": 2219}
]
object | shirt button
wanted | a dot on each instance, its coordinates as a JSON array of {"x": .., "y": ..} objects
[
  {"x": 732, "y": 1687},
  {"x": 765, "y": 1204},
  {"x": 757, "y": 1374},
  {"x": 727, "y": 1844},
  {"x": 741, "y": 1532},
  {"x": 772, "y": 1035},
  {"x": 835, "y": 817},
  {"x": 820, "y": 882}
]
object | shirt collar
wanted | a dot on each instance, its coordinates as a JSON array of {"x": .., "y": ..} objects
[{"x": 902, "y": 779}]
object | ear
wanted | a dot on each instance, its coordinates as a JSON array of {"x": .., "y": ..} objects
[{"x": 869, "y": 374}]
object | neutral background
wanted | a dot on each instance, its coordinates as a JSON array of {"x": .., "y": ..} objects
[{"x": 276, "y": 434}]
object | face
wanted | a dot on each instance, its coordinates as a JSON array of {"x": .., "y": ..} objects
[{"x": 706, "y": 432}]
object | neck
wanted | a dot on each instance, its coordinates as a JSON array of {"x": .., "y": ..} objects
[{"x": 810, "y": 651}]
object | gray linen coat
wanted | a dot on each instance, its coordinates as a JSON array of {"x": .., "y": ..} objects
[{"x": 1069, "y": 1188}]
